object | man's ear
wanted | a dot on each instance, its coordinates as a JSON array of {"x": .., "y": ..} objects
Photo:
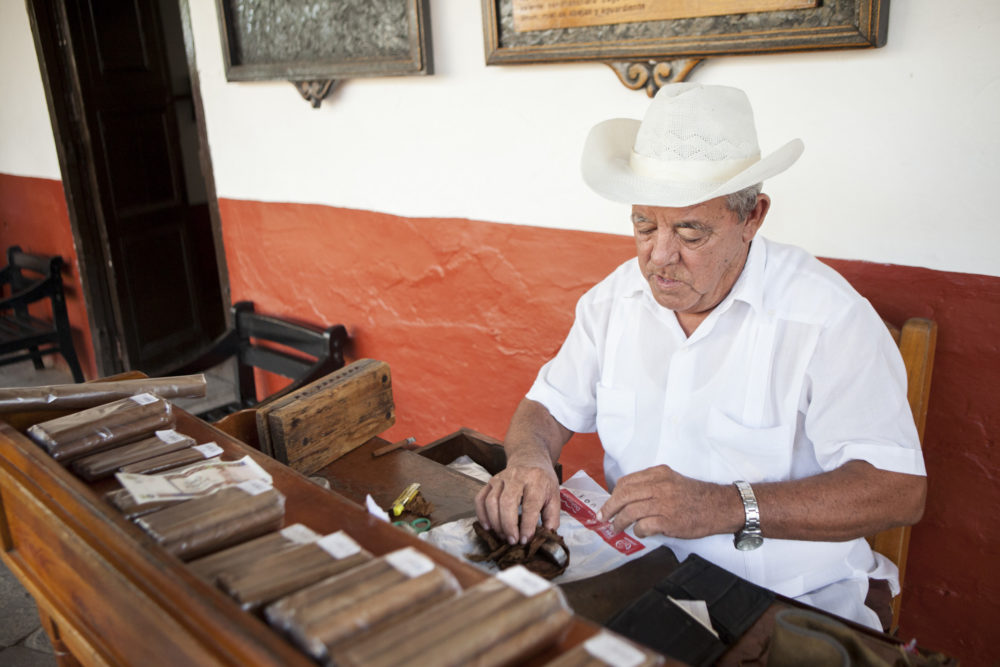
[{"x": 756, "y": 217}]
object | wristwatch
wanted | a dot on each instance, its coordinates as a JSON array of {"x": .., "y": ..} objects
[{"x": 749, "y": 537}]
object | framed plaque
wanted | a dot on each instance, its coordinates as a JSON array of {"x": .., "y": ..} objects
[
  {"x": 536, "y": 31},
  {"x": 322, "y": 40}
]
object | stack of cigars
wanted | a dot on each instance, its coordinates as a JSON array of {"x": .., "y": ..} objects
[
  {"x": 327, "y": 595},
  {"x": 135, "y": 434}
]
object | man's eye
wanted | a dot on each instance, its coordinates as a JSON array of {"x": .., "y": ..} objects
[
  {"x": 645, "y": 231},
  {"x": 690, "y": 236}
]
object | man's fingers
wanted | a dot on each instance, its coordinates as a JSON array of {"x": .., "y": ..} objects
[
  {"x": 622, "y": 497},
  {"x": 550, "y": 513},
  {"x": 531, "y": 507},
  {"x": 491, "y": 503},
  {"x": 632, "y": 513},
  {"x": 480, "y": 502},
  {"x": 650, "y": 525},
  {"x": 508, "y": 504}
]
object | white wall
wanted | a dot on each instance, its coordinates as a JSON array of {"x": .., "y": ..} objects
[
  {"x": 902, "y": 143},
  {"x": 26, "y": 144}
]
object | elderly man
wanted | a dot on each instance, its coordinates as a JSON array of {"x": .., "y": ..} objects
[{"x": 751, "y": 405}]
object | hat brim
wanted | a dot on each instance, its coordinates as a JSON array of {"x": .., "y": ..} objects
[{"x": 606, "y": 169}]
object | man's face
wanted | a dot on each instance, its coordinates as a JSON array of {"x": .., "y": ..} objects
[{"x": 692, "y": 256}]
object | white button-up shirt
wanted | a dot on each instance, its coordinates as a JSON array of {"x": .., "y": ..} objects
[{"x": 791, "y": 375}]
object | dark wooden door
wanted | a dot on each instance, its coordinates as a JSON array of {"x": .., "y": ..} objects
[{"x": 154, "y": 227}]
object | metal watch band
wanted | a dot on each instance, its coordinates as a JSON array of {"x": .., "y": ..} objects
[{"x": 750, "y": 536}]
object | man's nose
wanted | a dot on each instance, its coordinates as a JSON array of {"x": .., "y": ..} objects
[{"x": 666, "y": 249}]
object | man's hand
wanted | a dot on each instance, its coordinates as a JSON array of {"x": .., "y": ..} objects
[
  {"x": 533, "y": 488},
  {"x": 661, "y": 501}
]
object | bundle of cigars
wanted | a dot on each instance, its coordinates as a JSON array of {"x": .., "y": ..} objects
[
  {"x": 342, "y": 606},
  {"x": 132, "y": 435}
]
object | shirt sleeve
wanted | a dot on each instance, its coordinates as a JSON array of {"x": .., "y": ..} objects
[
  {"x": 857, "y": 402},
  {"x": 566, "y": 384}
]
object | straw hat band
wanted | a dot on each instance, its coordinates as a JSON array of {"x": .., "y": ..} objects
[{"x": 693, "y": 171}]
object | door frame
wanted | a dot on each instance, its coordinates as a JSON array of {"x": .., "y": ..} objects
[{"x": 50, "y": 30}]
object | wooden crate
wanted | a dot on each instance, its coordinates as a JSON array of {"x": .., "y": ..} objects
[
  {"x": 485, "y": 450},
  {"x": 315, "y": 425}
]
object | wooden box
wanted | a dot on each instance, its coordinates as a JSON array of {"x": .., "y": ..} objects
[
  {"x": 485, "y": 450},
  {"x": 317, "y": 424}
]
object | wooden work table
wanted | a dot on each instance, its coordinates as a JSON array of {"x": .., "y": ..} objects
[{"x": 108, "y": 594}]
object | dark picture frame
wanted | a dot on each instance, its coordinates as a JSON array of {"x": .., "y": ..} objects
[
  {"x": 834, "y": 24},
  {"x": 295, "y": 40}
]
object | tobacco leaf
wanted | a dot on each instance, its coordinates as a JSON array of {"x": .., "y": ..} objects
[{"x": 531, "y": 555}]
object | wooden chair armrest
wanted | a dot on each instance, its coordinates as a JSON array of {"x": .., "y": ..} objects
[{"x": 42, "y": 289}]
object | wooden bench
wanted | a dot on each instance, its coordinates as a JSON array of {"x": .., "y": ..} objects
[{"x": 29, "y": 279}]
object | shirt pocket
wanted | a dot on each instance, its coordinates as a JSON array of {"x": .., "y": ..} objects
[
  {"x": 751, "y": 454},
  {"x": 615, "y": 418}
]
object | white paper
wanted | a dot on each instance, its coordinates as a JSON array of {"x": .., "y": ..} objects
[
  {"x": 145, "y": 399},
  {"x": 613, "y": 650},
  {"x": 209, "y": 449},
  {"x": 299, "y": 533},
  {"x": 524, "y": 581},
  {"x": 169, "y": 436},
  {"x": 340, "y": 545},
  {"x": 410, "y": 562},
  {"x": 254, "y": 487},
  {"x": 194, "y": 481},
  {"x": 374, "y": 509},
  {"x": 698, "y": 610}
]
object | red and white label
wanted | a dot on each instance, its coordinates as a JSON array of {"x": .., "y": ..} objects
[{"x": 577, "y": 509}]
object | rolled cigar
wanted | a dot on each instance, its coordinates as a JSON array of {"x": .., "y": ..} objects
[
  {"x": 164, "y": 462},
  {"x": 106, "y": 463},
  {"x": 374, "y": 610},
  {"x": 102, "y": 427},
  {"x": 280, "y": 574},
  {"x": 105, "y": 437},
  {"x": 527, "y": 641},
  {"x": 240, "y": 556},
  {"x": 326, "y": 596},
  {"x": 203, "y": 525},
  {"x": 121, "y": 411},
  {"x": 125, "y": 503},
  {"x": 424, "y": 632},
  {"x": 90, "y": 394},
  {"x": 378, "y": 629},
  {"x": 475, "y": 640},
  {"x": 357, "y": 588}
]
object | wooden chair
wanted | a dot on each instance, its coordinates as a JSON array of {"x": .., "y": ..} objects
[
  {"x": 298, "y": 351},
  {"x": 32, "y": 279},
  {"x": 917, "y": 340}
]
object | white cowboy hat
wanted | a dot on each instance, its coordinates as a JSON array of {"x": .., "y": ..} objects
[{"x": 695, "y": 143}]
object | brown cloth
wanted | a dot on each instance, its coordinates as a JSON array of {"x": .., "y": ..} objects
[{"x": 532, "y": 555}]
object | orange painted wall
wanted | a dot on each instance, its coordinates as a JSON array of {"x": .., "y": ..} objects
[
  {"x": 33, "y": 215},
  {"x": 465, "y": 312}
]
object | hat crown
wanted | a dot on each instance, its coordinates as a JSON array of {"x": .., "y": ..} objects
[{"x": 688, "y": 122}]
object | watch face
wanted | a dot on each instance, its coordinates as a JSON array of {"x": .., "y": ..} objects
[{"x": 748, "y": 542}]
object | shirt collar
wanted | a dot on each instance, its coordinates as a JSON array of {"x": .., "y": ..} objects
[{"x": 749, "y": 287}]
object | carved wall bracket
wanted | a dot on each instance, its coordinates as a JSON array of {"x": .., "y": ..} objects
[
  {"x": 314, "y": 92},
  {"x": 653, "y": 74}
]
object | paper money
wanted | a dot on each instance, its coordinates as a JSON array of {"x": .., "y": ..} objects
[{"x": 193, "y": 482}]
